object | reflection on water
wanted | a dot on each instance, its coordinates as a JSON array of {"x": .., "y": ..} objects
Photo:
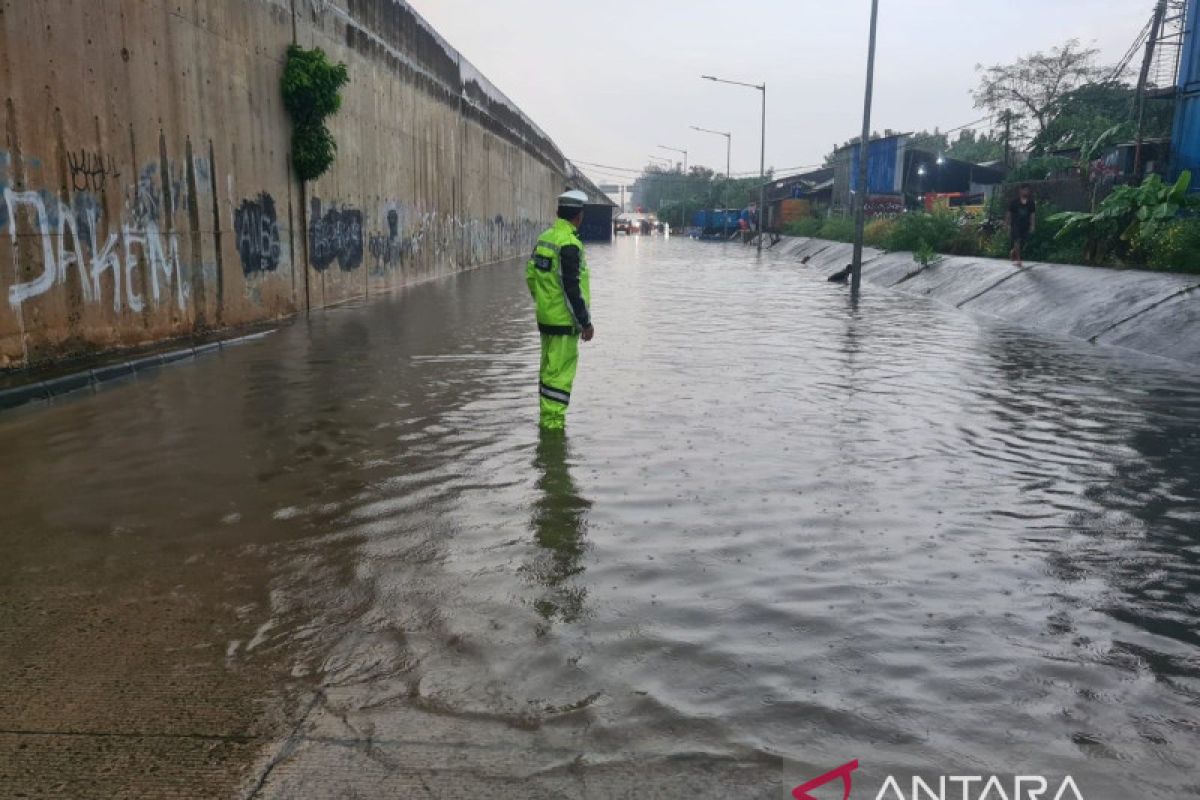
[
  {"x": 782, "y": 526},
  {"x": 559, "y": 522}
]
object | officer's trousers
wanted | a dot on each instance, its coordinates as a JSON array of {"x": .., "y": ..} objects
[{"x": 560, "y": 356}]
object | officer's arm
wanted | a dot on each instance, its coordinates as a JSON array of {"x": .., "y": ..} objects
[{"x": 569, "y": 256}]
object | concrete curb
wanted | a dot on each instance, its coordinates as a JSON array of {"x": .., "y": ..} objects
[
  {"x": 89, "y": 378},
  {"x": 1156, "y": 313}
]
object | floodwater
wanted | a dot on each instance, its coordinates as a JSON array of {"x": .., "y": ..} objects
[{"x": 782, "y": 532}]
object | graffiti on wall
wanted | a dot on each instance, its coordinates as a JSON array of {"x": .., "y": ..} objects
[
  {"x": 117, "y": 260},
  {"x": 391, "y": 247},
  {"x": 70, "y": 238},
  {"x": 407, "y": 234},
  {"x": 90, "y": 170},
  {"x": 117, "y": 242},
  {"x": 336, "y": 235},
  {"x": 256, "y": 229}
]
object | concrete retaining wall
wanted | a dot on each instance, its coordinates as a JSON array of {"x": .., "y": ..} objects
[
  {"x": 146, "y": 179},
  {"x": 1152, "y": 312}
]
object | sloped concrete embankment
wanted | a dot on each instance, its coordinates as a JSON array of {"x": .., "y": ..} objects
[{"x": 1151, "y": 312}]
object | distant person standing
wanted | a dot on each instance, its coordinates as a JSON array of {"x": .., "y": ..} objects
[
  {"x": 557, "y": 276},
  {"x": 1022, "y": 222}
]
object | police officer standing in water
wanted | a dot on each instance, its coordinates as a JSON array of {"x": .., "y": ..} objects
[{"x": 557, "y": 275}]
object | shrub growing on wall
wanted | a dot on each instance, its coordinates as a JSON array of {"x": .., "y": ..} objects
[{"x": 311, "y": 94}]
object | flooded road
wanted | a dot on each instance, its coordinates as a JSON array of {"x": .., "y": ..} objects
[{"x": 782, "y": 533}]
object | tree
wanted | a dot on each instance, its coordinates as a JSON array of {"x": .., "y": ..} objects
[
  {"x": 1083, "y": 114},
  {"x": 670, "y": 193},
  {"x": 977, "y": 148},
  {"x": 935, "y": 142},
  {"x": 1029, "y": 88}
]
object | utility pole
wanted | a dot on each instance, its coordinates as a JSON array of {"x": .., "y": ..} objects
[
  {"x": 724, "y": 213},
  {"x": 1007, "y": 138},
  {"x": 762, "y": 174},
  {"x": 1160, "y": 11},
  {"x": 864, "y": 150}
]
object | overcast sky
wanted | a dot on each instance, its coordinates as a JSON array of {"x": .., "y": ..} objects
[{"x": 609, "y": 80}]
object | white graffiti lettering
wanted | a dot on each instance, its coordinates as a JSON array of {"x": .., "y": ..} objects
[{"x": 142, "y": 245}]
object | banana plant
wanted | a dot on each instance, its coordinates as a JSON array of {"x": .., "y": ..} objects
[{"x": 1130, "y": 213}]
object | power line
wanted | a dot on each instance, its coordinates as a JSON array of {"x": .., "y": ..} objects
[
  {"x": 1137, "y": 45},
  {"x": 968, "y": 125},
  {"x": 607, "y": 166}
]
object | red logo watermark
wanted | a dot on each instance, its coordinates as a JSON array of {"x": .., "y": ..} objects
[
  {"x": 949, "y": 787},
  {"x": 801, "y": 792}
]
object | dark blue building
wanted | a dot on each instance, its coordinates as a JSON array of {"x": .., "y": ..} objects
[{"x": 1185, "y": 139}]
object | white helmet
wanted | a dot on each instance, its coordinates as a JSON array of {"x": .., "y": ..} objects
[{"x": 572, "y": 199}]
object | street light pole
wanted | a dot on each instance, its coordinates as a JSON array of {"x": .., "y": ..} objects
[
  {"x": 728, "y": 149},
  {"x": 762, "y": 174},
  {"x": 728, "y": 141},
  {"x": 683, "y": 183},
  {"x": 653, "y": 157},
  {"x": 864, "y": 149},
  {"x": 678, "y": 150},
  {"x": 762, "y": 156}
]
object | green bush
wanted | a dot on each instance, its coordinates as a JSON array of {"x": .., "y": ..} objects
[
  {"x": 1049, "y": 244},
  {"x": 311, "y": 94},
  {"x": 996, "y": 244},
  {"x": 925, "y": 255},
  {"x": 837, "y": 229},
  {"x": 1176, "y": 246},
  {"x": 878, "y": 231},
  {"x": 809, "y": 226},
  {"x": 1129, "y": 218},
  {"x": 914, "y": 230}
]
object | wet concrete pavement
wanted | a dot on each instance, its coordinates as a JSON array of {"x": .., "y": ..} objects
[{"x": 782, "y": 532}]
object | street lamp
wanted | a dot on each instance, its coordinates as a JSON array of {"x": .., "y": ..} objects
[
  {"x": 728, "y": 142},
  {"x": 728, "y": 148},
  {"x": 678, "y": 150},
  {"x": 669, "y": 163},
  {"x": 683, "y": 192},
  {"x": 762, "y": 155}
]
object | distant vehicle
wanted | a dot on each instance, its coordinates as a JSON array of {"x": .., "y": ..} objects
[
  {"x": 972, "y": 205},
  {"x": 634, "y": 224}
]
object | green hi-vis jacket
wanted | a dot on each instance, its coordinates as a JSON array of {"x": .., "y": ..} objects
[{"x": 557, "y": 275}]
